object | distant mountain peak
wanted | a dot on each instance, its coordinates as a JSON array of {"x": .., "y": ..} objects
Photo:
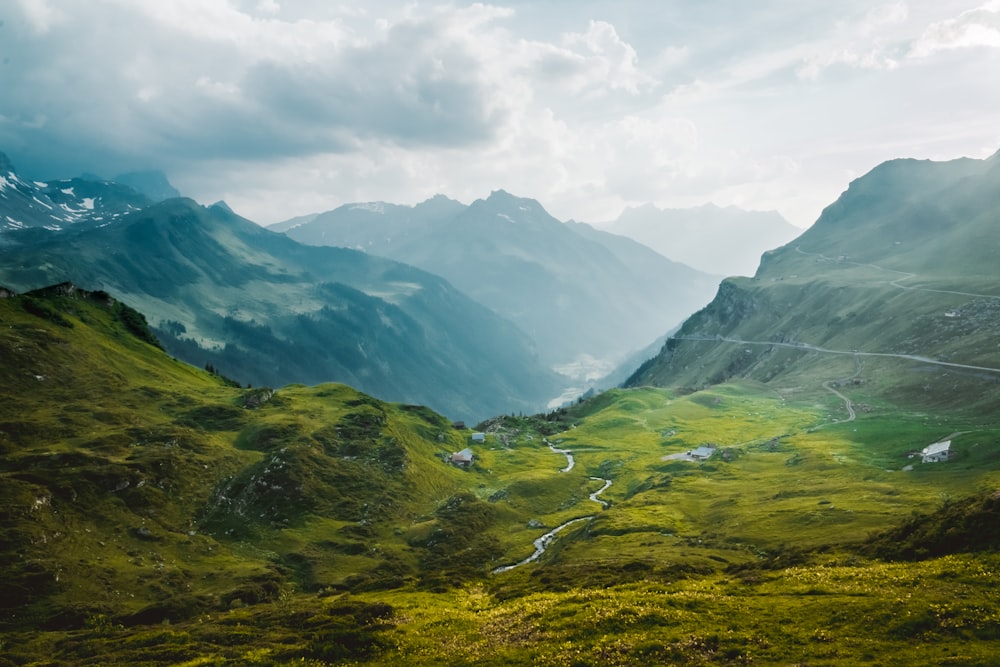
[
  {"x": 6, "y": 165},
  {"x": 439, "y": 198},
  {"x": 503, "y": 199},
  {"x": 152, "y": 183}
]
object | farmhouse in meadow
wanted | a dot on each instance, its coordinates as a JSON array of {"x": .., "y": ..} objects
[
  {"x": 935, "y": 453},
  {"x": 702, "y": 453},
  {"x": 462, "y": 459}
]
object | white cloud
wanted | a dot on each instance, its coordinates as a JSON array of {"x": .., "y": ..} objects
[
  {"x": 40, "y": 15},
  {"x": 859, "y": 44},
  {"x": 979, "y": 27},
  {"x": 269, "y": 7},
  {"x": 290, "y": 106},
  {"x": 612, "y": 61}
]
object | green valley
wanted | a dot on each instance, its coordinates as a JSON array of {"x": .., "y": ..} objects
[{"x": 156, "y": 513}]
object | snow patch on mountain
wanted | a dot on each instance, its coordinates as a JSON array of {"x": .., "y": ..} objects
[{"x": 373, "y": 207}]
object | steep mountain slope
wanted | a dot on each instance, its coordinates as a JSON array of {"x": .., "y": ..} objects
[
  {"x": 62, "y": 203},
  {"x": 579, "y": 294},
  {"x": 895, "y": 284},
  {"x": 264, "y": 309},
  {"x": 725, "y": 241}
]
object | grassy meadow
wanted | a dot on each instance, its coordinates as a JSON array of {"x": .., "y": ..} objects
[{"x": 154, "y": 513}]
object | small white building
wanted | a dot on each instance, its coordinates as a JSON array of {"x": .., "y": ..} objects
[
  {"x": 702, "y": 453},
  {"x": 478, "y": 437},
  {"x": 935, "y": 453}
]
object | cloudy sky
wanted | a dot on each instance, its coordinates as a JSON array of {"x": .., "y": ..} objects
[{"x": 284, "y": 107}]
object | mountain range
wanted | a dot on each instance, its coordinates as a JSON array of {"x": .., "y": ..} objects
[
  {"x": 63, "y": 203},
  {"x": 582, "y": 295},
  {"x": 261, "y": 308}
]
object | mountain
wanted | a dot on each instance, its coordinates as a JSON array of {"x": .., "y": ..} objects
[
  {"x": 285, "y": 225},
  {"x": 374, "y": 227},
  {"x": 579, "y": 293},
  {"x": 724, "y": 241},
  {"x": 62, "y": 203},
  {"x": 895, "y": 286},
  {"x": 259, "y": 307},
  {"x": 153, "y": 184}
]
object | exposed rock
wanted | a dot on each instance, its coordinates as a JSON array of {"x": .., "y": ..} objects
[
  {"x": 255, "y": 398},
  {"x": 144, "y": 533}
]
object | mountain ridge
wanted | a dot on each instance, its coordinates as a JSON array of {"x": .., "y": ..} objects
[
  {"x": 570, "y": 292},
  {"x": 260, "y": 307}
]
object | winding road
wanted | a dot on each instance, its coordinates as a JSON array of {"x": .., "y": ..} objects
[
  {"x": 895, "y": 283},
  {"x": 828, "y": 385},
  {"x": 825, "y": 350}
]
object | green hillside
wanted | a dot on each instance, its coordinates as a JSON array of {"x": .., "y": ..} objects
[
  {"x": 153, "y": 513},
  {"x": 894, "y": 290}
]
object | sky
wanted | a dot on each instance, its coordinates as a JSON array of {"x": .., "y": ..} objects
[{"x": 288, "y": 107}]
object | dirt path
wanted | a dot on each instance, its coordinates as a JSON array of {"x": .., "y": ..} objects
[{"x": 828, "y": 385}]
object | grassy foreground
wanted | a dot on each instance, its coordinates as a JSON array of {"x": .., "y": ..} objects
[
  {"x": 154, "y": 513},
  {"x": 839, "y": 612}
]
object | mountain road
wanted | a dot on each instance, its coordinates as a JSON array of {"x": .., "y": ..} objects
[{"x": 824, "y": 350}]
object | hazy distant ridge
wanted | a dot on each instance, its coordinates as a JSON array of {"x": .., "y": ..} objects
[
  {"x": 578, "y": 292},
  {"x": 724, "y": 241}
]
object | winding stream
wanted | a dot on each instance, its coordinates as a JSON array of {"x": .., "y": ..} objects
[
  {"x": 593, "y": 496},
  {"x": 570, "y": 461},
  {"x": 543, "y": 542}
]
